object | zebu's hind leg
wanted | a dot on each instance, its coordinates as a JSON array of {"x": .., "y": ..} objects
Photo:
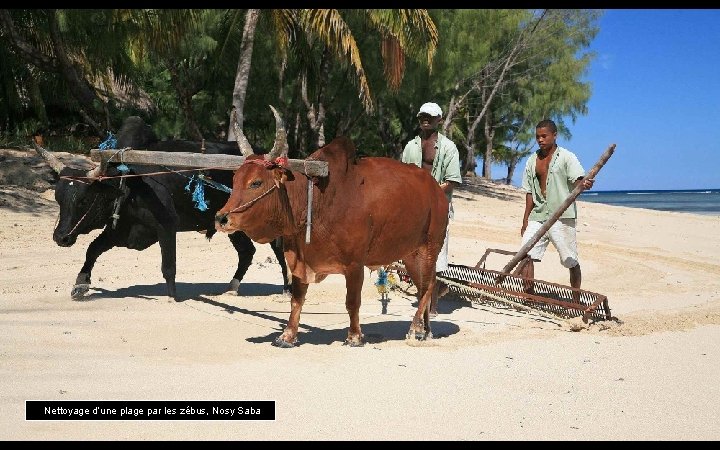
[
  {"x": 167, "y": 238},
  {"x": 421, "y": 269},
  {"x": 354, "y": 276},
  {"x": 289, "y": 337},
  {"x": 100, "y": 245}
]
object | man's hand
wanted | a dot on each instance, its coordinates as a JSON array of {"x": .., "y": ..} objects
[
  {"x": 524, "y": 226},
  {"x": 587, "y": 183},
  {"x": 448, "y": 187}
]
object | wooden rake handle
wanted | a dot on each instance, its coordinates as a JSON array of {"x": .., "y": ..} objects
[{"x": 522, "y": 253}]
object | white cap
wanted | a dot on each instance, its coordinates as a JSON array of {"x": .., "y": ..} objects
[{"x": 430, "y": 108}]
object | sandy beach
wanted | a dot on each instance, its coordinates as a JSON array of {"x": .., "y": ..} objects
[{"x": 489, "y": 374}]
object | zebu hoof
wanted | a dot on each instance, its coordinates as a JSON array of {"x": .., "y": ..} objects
[
  {"x": 79, "y": 290},
  {"x": 354, "y": 342},
  {"x": 418, "y": 335},
  {"x": 234, "y": 286},
  {"x": 280, "y": 342}
]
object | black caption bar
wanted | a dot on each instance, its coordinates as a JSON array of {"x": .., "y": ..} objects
[{"x": 149, "y": 410}]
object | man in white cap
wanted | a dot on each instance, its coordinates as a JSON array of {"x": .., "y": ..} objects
[{"x": 436, "y": 153}]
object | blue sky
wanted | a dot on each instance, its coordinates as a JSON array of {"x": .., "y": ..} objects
[{"x": 656, "y": 95}]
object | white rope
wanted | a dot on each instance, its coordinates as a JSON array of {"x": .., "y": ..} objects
[{"x": 309, "y": 211}]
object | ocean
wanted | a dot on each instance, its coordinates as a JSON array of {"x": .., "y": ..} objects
[{"x": 696, "y": 201}]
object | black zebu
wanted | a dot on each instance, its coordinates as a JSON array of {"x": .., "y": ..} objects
[{"x": 149, "y": 209}]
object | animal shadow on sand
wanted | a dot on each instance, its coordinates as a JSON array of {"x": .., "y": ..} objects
[
  {"x": 186, "y": 291},
  {"x": 393, "y": 330},
  {"x": 447, "y": 304}
]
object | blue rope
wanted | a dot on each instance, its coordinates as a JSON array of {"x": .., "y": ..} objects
[
  {"x": 109, "y": 143},
  {"x": 198, "y": 195},
  {"x": 215, "y": 184}
]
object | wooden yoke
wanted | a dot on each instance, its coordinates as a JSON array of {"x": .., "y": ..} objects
[
  {"x": 191, "y": 160},
  {"x": 522, "y": 253}
]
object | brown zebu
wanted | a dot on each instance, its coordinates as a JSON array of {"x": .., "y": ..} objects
[{"x": 357, "y": 221}]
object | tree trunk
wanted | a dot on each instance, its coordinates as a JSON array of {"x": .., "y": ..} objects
[
  {"x": 510, "y": 171},
  {"x": 243, "y": 69},
  {"x": 37, "y": 101},
  {"x": 468, "y": 168},
  {"x": 316, "y": 118},
  {"x": 489, "y": 135},
  {"x": 450, "y": 114}
]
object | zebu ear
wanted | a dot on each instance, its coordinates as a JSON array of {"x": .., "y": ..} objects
[
  {"x": 242, "y": 141},
  {"x": 280, "y": 147},
  {"x": 51, "y": 159},
  {"x": 280, "y": 176}
]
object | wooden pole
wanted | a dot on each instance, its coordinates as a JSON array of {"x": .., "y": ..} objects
[
  {"x": 522, "y": 253},
  {"x": 190, "y": 160}
]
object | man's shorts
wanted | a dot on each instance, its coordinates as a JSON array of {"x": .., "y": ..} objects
[
  {"x": 561, "y": 234},
  {"x": 442, "y": 260}
]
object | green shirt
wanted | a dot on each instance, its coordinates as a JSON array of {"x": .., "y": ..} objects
[
  {"x": 446, "y": 165},
  {"x": 563, "y": 171}
]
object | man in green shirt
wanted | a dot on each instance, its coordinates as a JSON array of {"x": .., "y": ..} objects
[
  {"x": 436, "y": 153},
  {"x": 550, "y": 175}
]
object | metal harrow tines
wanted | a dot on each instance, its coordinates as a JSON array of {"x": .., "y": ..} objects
[{"x": 492, "y": 287}]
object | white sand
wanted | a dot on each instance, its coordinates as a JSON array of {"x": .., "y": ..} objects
[{"x": 490, "y": 374}]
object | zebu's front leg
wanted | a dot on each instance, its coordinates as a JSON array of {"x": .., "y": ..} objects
[
  {"x": 277, "y": 248},
  {"x": 245, "y": 250},
  {"x": 289, "y": 337},
  {"x": 354, "y": 276},
  {"x": 100, "y": 245}
]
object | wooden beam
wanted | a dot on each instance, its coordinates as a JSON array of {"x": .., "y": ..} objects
[{"x": 192, "y": 160}]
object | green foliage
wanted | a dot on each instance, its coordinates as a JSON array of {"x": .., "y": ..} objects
[{"x": 177, "y": 68}]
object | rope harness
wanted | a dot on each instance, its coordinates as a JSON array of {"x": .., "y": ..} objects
[
  {"x": 245, "y": 206},
  {"x": 124, "y": 169},
  {"x": 198, "y": 195},
  {"x": 277, "y": 162},
  {"x": 84, "y": 215},
  {"x": 280, "y": 162}
]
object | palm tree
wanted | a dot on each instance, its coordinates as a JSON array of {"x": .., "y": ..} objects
[{"x": 410, "y": 32}]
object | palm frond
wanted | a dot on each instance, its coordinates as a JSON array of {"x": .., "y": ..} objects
[{"x": 329, "y": 26}]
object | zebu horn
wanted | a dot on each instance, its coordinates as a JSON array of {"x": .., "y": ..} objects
[
  {"x": 242, "y": 141},
  {"x": 280, "y": 147},
  {"x": 51, "y": 159}
]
